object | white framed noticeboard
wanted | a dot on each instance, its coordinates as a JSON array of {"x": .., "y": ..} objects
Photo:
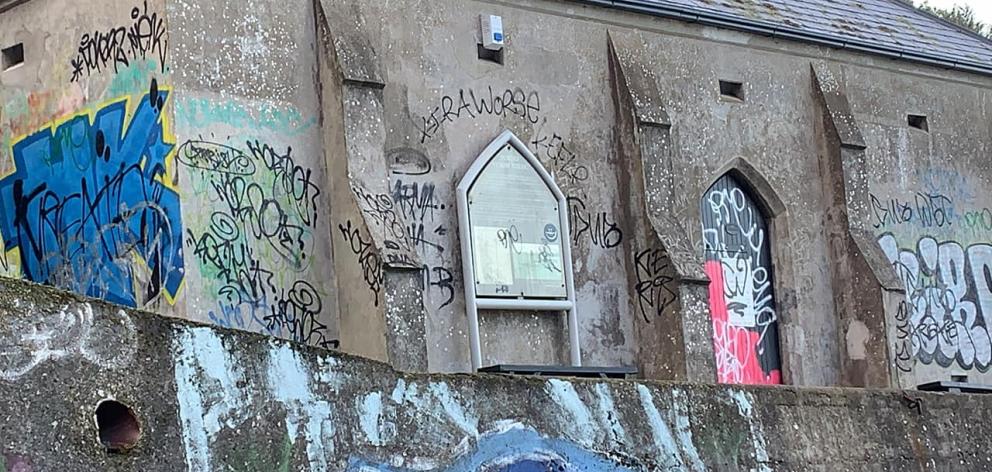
[{"x": 513, "y": 224}]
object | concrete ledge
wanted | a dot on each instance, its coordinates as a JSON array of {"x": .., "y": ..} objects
[{"x": 213, "y": 399}]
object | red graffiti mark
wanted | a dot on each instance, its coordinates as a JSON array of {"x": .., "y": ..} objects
[{"x": 736, "y": 348}]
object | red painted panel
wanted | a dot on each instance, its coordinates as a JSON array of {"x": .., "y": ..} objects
[{"x": 736, "y": 348}]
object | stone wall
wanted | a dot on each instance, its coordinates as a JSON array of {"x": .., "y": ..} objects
[
  {"x": 207, "y": 398},
  {"x": 627, "y": 112},
  {"x": 167, "y": 155},
  {"x": 289, "y": 168}
]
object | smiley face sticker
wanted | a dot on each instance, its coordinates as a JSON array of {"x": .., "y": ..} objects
[{"x": 550, "y": 232}]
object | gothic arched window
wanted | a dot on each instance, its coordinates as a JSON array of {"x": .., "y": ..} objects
[{"x": 742, "y": 299}]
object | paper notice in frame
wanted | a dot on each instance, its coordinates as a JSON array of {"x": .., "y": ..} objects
[{"x": 515, "y": 229}]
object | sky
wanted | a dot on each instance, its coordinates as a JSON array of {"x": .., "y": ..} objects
[{"x": 983, "y": 8}]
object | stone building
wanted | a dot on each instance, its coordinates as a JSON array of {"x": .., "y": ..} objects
[
  {"x": 787, "y": 191},
  {"x": 784, "y": 191}
]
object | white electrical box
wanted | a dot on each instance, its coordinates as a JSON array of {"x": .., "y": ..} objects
[{"x": 492, "y": 32}]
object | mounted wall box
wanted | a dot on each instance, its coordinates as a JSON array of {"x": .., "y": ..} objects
[{"x": 492, "y": 32}]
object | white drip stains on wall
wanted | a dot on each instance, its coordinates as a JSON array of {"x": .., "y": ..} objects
[
  {"x": 214, "y": 399},
  {"x": 217, "y": 393}
]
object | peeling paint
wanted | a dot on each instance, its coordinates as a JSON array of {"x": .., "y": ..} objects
[
  {"x": 665, "y": 447},
  {"x": 455, "y": 411},
  {"x": 370, "y": 408},
  {"x": 607, "y": 415},
  {"x": 580, "y": 424},
  {"x": 743, "y": 402},
  {"x": 207, "y": 380},
  {"x": 289, "y": 381}
]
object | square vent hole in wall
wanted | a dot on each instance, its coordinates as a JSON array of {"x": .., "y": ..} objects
[
  {"x": 733, "y": 91},
  {"x": 489, "y": 55},
  {"x": 12, "y": 56},
  {"x": 919, "y": 122}
]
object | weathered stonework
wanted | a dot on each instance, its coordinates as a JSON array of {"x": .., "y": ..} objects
[
  {"x": 288, "y": 168},
  {"x": 208, "y": 398}
]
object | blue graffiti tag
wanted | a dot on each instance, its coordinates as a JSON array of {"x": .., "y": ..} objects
[
  {"x": 88, "y": 202},
  {"x": 516, "y": 450}
]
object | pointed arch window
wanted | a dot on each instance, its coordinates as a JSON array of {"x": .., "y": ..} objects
[{"x": 742, "y": 300}]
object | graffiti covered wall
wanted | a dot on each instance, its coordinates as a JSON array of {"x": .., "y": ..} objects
[
  {"x": 927, "y": 206},
  {"x": 949, "y": 296},
  {"x": 435, "y": 125},
  {"x": 196, "y": 184},
  {"x": 127, "y": 177},
  {"x": 941, "y": 255},
  {"x": 90, "y": 207},
  {"x": 88, "y": 198},
  {"x": 439, "y": 105},
  {"x": 257, "y": 232}
]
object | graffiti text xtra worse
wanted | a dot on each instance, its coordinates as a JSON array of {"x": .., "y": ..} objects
[{"x": 89, "y": 207}]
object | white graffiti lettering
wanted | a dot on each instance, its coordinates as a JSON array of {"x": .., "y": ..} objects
[
  {"x": 108, "y": 341},
  {"x": 949, "y": 292}
]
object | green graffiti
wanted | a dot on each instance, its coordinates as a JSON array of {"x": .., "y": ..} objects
[
  {"x": 131, "y": 80},
  {"x": 200, "y": 113},
  {"x": 18, "y": 106}
]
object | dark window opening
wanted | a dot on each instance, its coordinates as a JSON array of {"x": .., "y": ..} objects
[
  {"x": 732, "y": 90},
  {"x": 490, "y": 56},
  {"x": 12, "y": 56},
  {"x": 919, "y": 122}
]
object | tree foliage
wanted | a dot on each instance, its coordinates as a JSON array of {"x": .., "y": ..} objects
[{"x": 961, "y": 15}]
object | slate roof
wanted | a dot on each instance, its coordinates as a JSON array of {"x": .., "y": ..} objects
[{"x": 887, "y": 27}]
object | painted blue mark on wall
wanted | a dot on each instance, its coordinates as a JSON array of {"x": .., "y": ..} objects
[
  {"x": 89, "y": 207},
  {"x": 516, "y": 450}
]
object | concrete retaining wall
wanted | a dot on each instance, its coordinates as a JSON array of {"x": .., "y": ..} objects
[{"x": 214, "y": 399}]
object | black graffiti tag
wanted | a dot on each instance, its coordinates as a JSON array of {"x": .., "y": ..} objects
[
  {"x": 653, "y": 282},
  {"x": 567, "y": 170},
  {"x": 442, "y": 280},
  {"x": 597, "y": 227},
  {"x": 419, "y": 204},
  {"x": 512, "y": 102},
  {"x": 368, "y": 258},
  {"x": 926, "y": 209},
  {"x": 409, "y": 214},
  {"x": 118, "y": 47}
]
